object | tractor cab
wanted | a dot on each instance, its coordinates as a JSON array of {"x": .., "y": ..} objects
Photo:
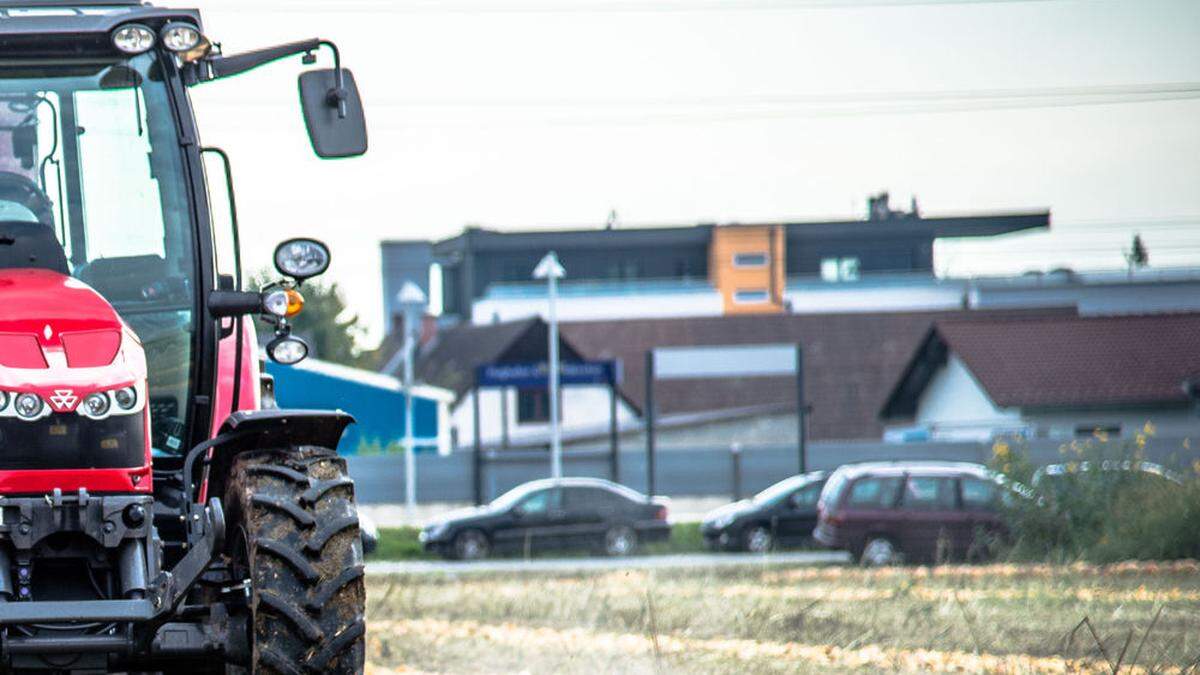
[{"x": 153, "y": 506}]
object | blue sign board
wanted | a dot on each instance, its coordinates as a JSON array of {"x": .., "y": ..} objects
[{"x": 537, "y": 375}]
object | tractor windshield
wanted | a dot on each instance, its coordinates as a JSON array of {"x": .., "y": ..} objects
[{"x": 90, "y": 149}]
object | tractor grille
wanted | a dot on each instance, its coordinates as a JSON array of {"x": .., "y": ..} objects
[{"x": 70, "y": 441}]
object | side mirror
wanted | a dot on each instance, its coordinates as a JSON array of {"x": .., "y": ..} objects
[{"x": 333, "y": 113}]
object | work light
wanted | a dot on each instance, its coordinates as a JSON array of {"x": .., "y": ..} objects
[
  {"x": 29, "y": 406},
  {"x": 301, "y": 259},
  {"x": 133, "y": 38},
  {"x": 179, "y": 37},
  {"x": 287, "y": 350}
]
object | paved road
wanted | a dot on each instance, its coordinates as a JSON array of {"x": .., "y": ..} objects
[{"x": 681, "y": 561}]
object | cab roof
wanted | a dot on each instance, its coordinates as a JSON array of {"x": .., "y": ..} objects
[{"x": 76, "y": 27}]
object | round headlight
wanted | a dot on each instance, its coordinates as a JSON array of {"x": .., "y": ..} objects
[
  {"x": 126, "y": 398},
  {"x": 29, "y": 406},
  {"x": 96, "y": 404},
  {"x": 301, "y": 259},
  {"x": 133, "y": 38},
  {"x": 287, "y": 350},
  {"x": 276, "y": 302},
  {"x": 179, "y": 37},
  {"x": 3, "y": 400}
]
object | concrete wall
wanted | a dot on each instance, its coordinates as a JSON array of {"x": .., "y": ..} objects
[
  {"x": 878, "y": 294},
  {"x": 702, "y": 302},
  {"x": 681, "y": 472},
  {"x": 1062, "y": 424}
]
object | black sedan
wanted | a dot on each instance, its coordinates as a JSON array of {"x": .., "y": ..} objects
[
  {"x": 583, "y": 513},
  {"x": 783, "y": 514}
]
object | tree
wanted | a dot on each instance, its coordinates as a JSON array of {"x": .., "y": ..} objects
[
  {"x": 1137, "y": 255},
  {"x": 326, "y": 323}
]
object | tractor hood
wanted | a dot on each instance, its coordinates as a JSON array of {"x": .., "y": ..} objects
[{"x": 61, "y": 340}]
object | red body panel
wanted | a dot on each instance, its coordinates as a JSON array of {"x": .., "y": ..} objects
[
  {"x": 42, "y": 306},
  {"x": 250, "y": 395}
]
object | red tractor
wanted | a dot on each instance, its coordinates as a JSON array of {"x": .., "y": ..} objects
[{"x": 157, "y": 512}]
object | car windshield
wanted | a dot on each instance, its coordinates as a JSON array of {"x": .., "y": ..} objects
[
  {"x": 90, "y": 150},
  {"x": 512, "y": 497},
  {"x": 779, "y": 490}
]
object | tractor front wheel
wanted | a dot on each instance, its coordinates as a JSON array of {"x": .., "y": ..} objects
[{"x": 294, "y": 536}]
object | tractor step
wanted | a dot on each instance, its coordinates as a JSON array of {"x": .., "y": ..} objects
[{"x": 75, "y": 611}]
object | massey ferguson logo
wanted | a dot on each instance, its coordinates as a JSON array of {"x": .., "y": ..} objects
[{"x": 63, "y": 399}]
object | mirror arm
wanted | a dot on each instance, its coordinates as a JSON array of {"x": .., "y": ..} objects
[
  {"x": 217, "y": 67},
  {"x": 337, "y": 95},
  {"x": 225, "y": 304}
]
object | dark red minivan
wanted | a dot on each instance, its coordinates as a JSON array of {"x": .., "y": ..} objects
[{"x": 891, "y": 512}]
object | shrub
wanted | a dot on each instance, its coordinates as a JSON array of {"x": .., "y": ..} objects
[{"x": 1103, "y": 504}]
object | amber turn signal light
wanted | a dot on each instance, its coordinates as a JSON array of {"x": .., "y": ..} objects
[{"x": 295, "y": 302}]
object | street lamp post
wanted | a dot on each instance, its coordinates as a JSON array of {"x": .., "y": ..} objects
[
  {"x": 551, "y": 270},
  {"x": 412, "y": 302}
]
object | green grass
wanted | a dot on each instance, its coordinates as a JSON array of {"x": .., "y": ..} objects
[{"x": 400, "y": 543}]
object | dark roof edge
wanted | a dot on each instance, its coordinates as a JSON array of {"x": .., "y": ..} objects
[{"x": 930, "y": 355}]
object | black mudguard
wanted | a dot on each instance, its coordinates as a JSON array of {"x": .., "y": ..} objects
[{"x": 248, "y": 430}]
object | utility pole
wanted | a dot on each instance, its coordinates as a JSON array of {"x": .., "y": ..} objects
[
  {"x": 551, "y": 270},
  {"x": 412, "y": 302}
]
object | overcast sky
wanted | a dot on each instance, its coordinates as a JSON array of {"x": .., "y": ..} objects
[{"x": 519, "y": 114}]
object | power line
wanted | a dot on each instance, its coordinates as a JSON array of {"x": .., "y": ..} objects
[
  {"x": 934, "y": 96},
  {"x": 872, "y": 105}
]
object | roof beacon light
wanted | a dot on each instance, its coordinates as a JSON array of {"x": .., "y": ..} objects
[
  {"x": 179, "y": 37},
  {"x": 133, "y": 38}
]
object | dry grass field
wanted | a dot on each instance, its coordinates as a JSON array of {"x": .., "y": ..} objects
[{"x": 1133, "y": 617}]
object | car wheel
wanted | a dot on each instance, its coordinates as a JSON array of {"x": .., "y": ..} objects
[
  {"x": 620, "y": 541},
  {"x": 759, "y": 540},
  {"x": 471, "y": 545},
  {"x": 878, "y": 552}
]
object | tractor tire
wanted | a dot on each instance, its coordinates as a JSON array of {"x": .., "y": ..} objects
[{"x": 294, "y": 533}]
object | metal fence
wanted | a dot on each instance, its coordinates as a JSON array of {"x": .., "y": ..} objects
[{"x": 693, "y": 471}]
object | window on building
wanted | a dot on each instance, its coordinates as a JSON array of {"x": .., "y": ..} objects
[
  {"x": 533, "y": 406},
  {"x": 751, "y": 296},
  {"x": 1089, "y": 430},
  {"x": 749, "y": 259},
  {"x": 839, "y": 269}
]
